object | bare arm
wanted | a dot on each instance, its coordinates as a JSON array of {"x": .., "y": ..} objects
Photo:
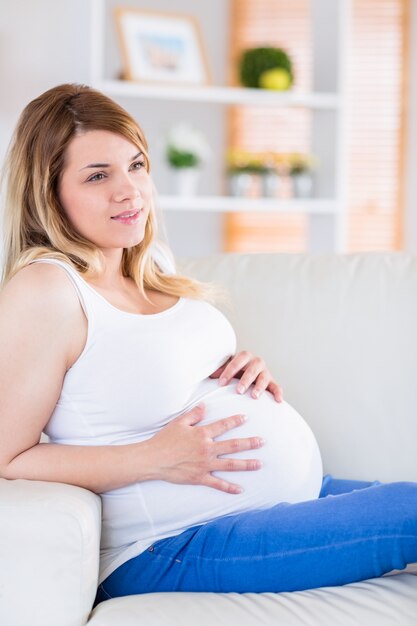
[{"x": 42, "y": 330}]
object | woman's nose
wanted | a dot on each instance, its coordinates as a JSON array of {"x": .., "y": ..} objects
[{"x": 125, "y": 189}]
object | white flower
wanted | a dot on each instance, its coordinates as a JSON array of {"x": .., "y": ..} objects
[{"x": 184, "y": 138}]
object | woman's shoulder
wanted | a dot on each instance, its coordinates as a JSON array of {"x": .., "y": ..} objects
[
  {"x": 43, "y": 286},
  {"x": 38, "y": 307}
]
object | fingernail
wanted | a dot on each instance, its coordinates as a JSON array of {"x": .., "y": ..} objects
[
  {"x": 261, "y": 441},
  {"x": 238, "y": 490},
  {"x": 240, "y": 389},
  {"x": 244, "y": 418},
  {"x": 222, "y": 381},
  {"x": 255, "y": 393}
]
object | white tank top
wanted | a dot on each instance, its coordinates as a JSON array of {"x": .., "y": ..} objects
[{"x": 136, "y": 373}]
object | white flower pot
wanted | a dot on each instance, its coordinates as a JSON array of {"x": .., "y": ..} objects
[
  {"x": 270, "y": 184},
  {"x": 240, "y": 184},
  {"x": 185, "y": 180},
  {"x": 302, "y": 185}
]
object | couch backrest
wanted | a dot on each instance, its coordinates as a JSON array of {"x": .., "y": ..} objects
[{"x": 340, "y": 334}]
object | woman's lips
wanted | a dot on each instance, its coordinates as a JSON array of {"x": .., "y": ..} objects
[{"x": 128, "y": 217}]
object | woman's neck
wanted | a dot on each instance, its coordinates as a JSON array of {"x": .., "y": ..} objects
[{"x": 112, "y": 276}]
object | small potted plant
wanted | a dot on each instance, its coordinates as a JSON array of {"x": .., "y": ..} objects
[
  {"x": 274, "y": 163},
  {"x": 300, "y": 169},
  {"x": 266, "y": 67},
  {"x": 254, "y": 171},
  {"x": 186, "y": 151},
  {"x": 243, "y": 168}
]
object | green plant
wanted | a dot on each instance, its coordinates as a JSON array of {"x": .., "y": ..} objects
[
  {"x": 242, "y": 161},
  {"x": 186, "y": 147},
  {"x": 299, "y": 163},
  {"x": 249, "y": 168},
  {"x": 177, "y": 158},
  {"x": 255, "y": 61}
]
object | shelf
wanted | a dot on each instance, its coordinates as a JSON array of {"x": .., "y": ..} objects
[
  {"x": 219, "y": 95},
  {"x": 228, "y": 204},
  {"x": 166, "y": 105}
]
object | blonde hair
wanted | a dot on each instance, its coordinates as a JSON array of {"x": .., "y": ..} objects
[{"x": 35, "y": 224}]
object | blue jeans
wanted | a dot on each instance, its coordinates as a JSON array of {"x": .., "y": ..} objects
[{"x": 355, "y": 530}]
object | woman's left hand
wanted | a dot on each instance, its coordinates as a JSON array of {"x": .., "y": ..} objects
[{"x": 250, "y": 370}]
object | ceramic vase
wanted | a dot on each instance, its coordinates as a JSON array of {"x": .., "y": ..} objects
[
  {"x": 269, "y": 184},
  {"x": 302, "y": 185},
  {"x": 185, "y": 180},
  {"x": 240, "y": 184}
]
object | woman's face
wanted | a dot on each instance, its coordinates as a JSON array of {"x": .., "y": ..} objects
[{"x": 105, "y": 189}]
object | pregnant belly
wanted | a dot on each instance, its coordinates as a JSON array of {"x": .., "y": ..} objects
[
  {"x": 291, "y": 463},
  {"x": 291, "y": 472}
]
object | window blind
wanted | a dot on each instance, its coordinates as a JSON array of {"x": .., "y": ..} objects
[
  {"x": 377, "y": 86},
  {"x": 377, "y": 93}
]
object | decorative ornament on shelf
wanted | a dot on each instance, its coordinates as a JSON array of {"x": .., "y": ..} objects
[
  {"x": 270, "y": 174},
  {"x": 253, "y": 173},
  {"x": 300, "y": 169},
  {"x": 186, "y": 151},
  {"x": 266, "y": 68}
]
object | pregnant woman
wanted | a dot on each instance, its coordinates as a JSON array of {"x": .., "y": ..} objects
[{"x": 208, "y": 480}]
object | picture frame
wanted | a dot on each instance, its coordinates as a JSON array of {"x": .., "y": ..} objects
[{"x": 158, "y": 47}]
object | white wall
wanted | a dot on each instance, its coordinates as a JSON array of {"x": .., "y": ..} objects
[
  {"x": 38, "y": 49},
  {"x": 42, "y": 43}
]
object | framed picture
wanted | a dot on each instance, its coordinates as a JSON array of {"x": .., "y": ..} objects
[{"x": 161, "y": 47}]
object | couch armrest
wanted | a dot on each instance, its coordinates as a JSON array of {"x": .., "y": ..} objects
[{"x": 49, "y": 553}]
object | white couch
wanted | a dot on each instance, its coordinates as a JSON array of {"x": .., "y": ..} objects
[{"x": 340, "y": 334}]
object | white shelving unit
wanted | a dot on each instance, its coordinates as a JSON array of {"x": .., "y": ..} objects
[
  {"x": 221, "y": 204},
  {"x": 326, "y": 211},
  {"x": 220, "y": 95}
]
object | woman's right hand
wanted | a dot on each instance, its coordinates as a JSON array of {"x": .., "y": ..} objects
[{"x": 188, "y": 454}]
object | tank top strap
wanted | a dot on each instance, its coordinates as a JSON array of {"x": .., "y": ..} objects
[{"x": 81, "y": 287}]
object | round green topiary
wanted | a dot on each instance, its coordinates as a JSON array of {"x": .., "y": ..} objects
[{"x": 255, "y": 61}]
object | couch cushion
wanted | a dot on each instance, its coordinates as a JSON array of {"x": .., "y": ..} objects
[
  {"x": 384, "y": 602},
  {"x": 49, "y": 543}
]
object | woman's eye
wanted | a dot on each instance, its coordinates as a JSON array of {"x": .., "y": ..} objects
[
  {"x": 137, "y": 165},
  {"x": 96, "y": 177}
]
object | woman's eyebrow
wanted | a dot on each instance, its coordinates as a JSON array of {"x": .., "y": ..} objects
[{"x": 94, "y": 165}]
